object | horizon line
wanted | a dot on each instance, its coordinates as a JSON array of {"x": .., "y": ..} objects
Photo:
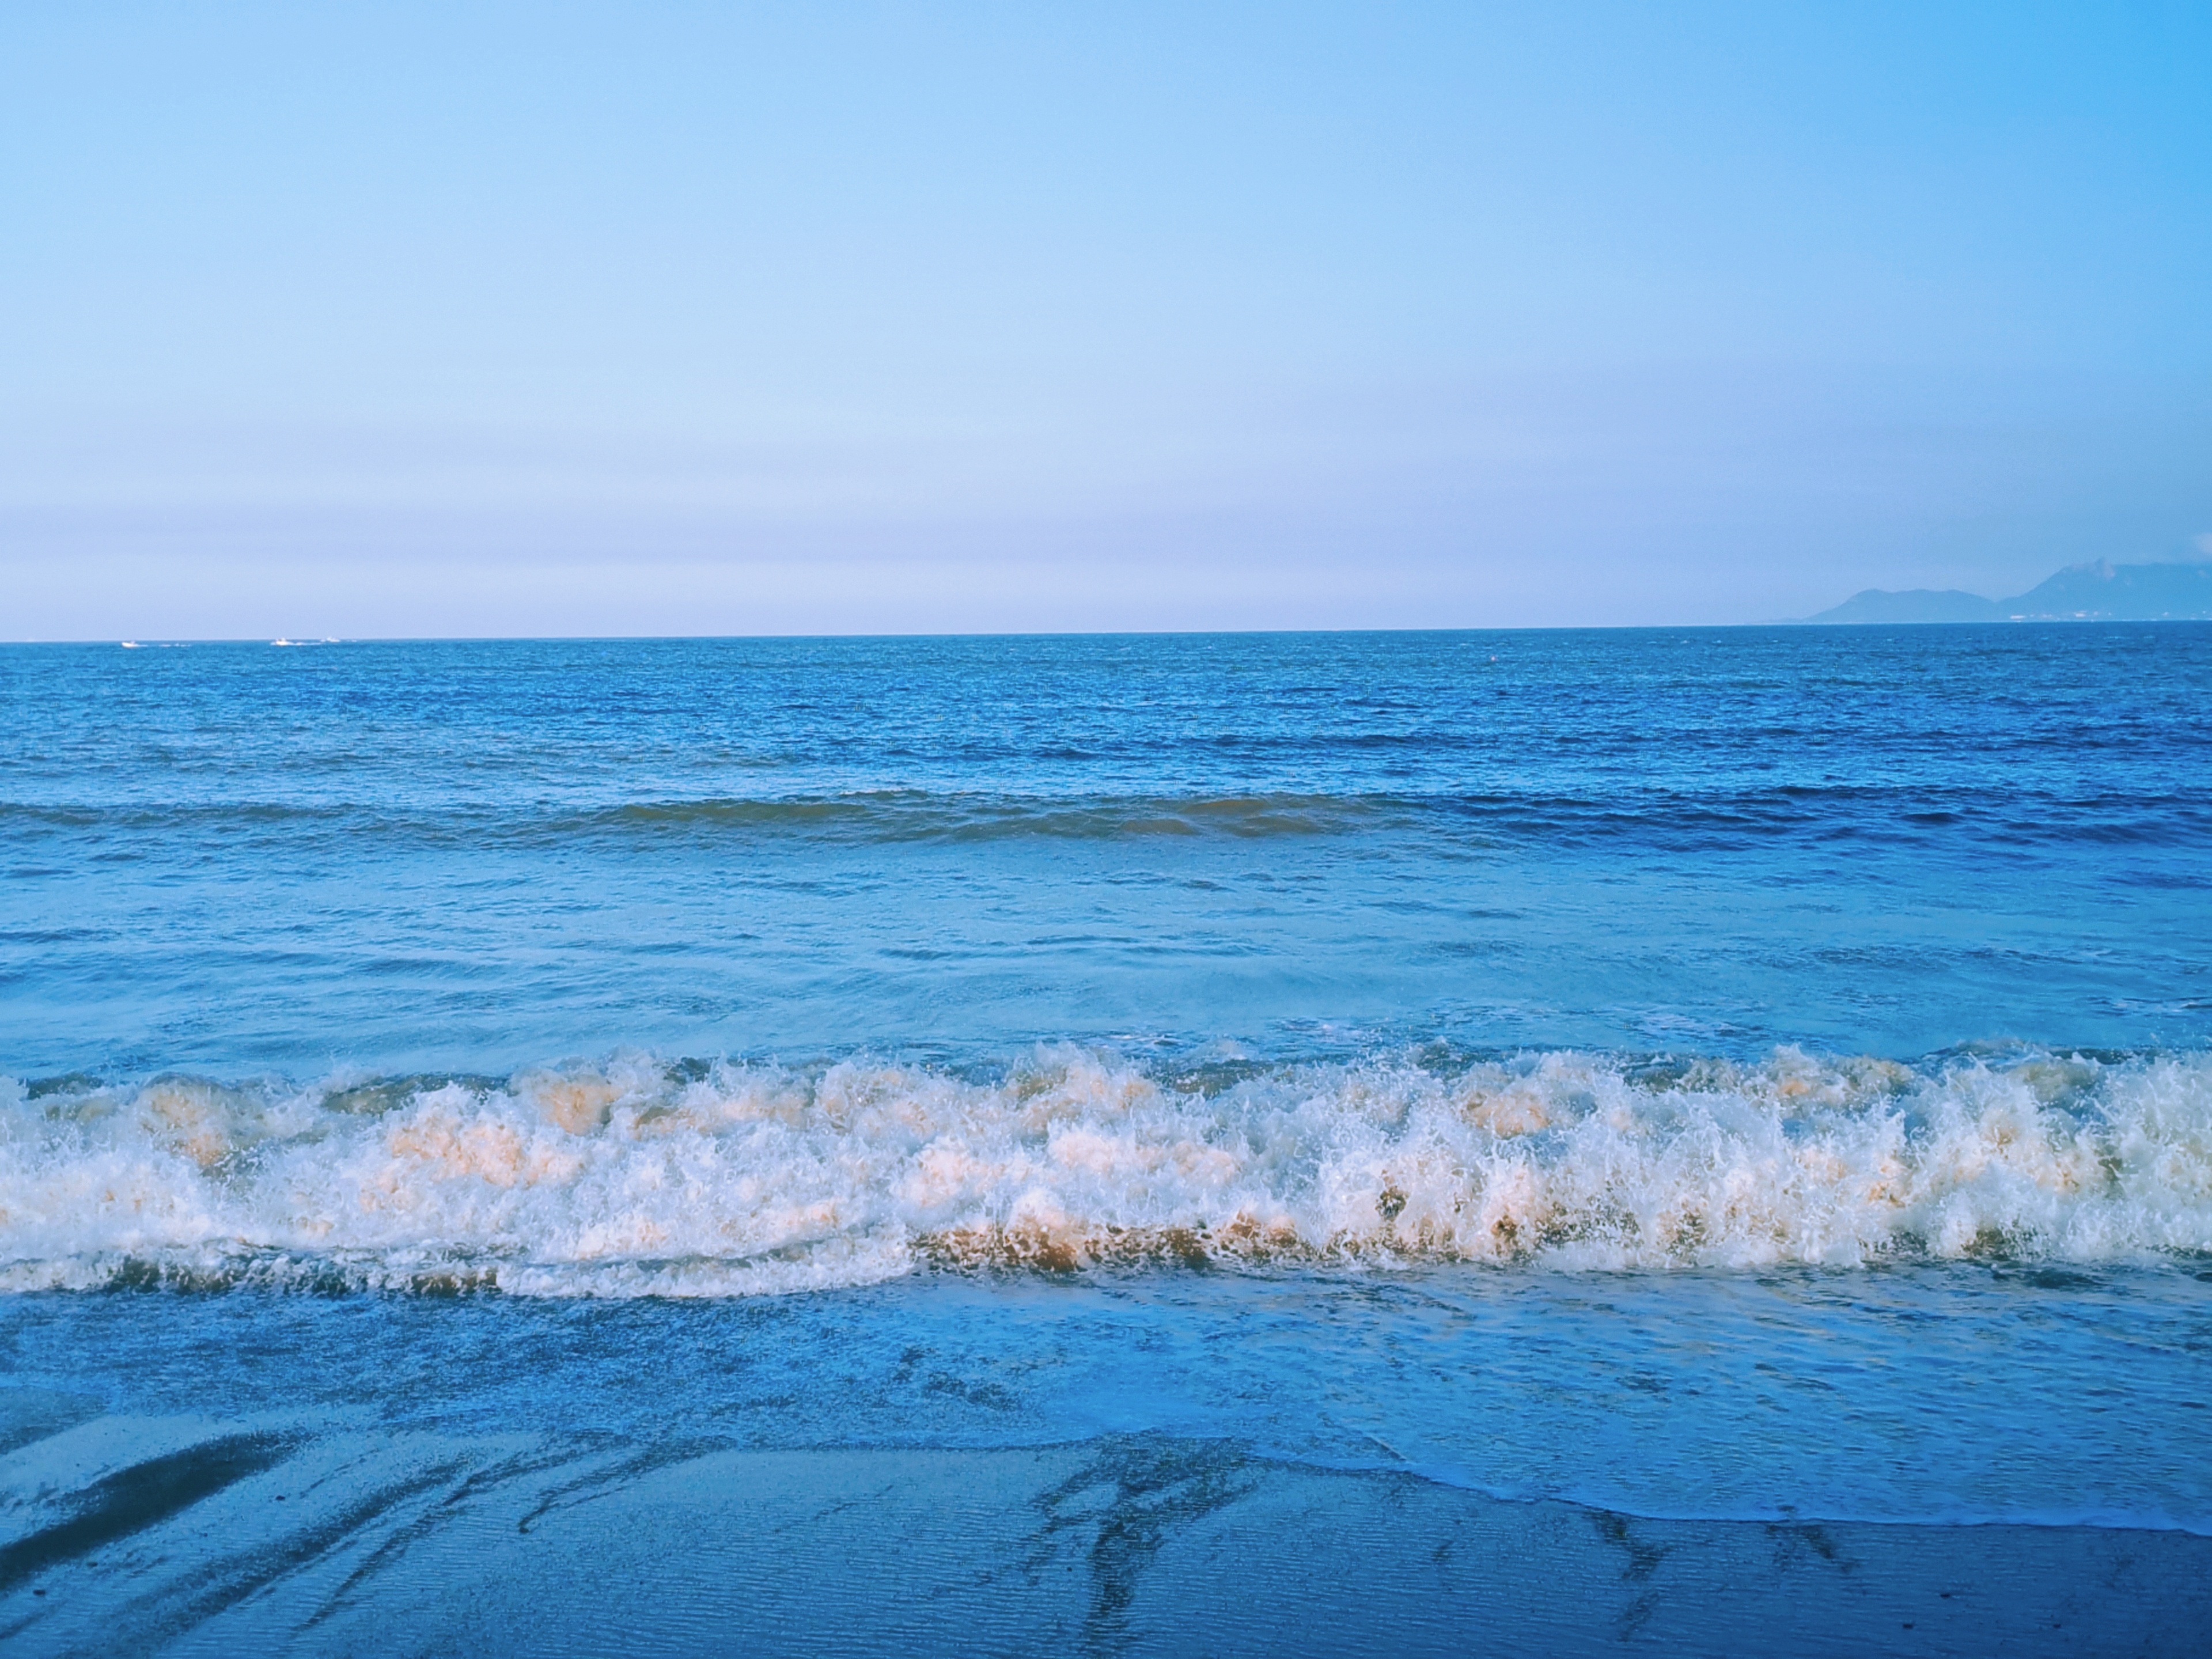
[{"x": 309, "y": 643}]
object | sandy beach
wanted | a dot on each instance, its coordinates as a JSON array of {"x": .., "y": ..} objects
[{"x": 192, "y": 1536}]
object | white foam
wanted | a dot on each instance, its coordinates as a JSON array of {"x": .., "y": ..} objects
[{"x": 625, "y": 1179}]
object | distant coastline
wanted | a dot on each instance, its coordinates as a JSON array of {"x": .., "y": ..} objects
[{"x": 2097, "y": 591}]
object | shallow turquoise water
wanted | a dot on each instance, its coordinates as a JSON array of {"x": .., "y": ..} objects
[{"x": 1948, "y": 1395}]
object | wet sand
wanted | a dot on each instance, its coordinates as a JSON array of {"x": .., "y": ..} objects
[{"x": 187, "y": 1535}]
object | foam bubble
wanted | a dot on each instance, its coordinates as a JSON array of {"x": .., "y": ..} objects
[{"x": 634, "y": 1178}]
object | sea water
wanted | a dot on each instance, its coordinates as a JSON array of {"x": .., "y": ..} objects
[{"x": 1699, "y": 1074}]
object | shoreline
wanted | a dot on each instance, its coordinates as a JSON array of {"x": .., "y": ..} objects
[{"x": 192, "y": 1537}]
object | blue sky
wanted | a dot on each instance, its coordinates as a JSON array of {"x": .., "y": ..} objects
[{"x": 455, "y": 319}]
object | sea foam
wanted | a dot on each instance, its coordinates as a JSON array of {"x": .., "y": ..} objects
[{"x": 637, "y": 1178}]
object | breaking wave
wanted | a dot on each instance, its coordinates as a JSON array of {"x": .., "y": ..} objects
[{"x": 640, "y": 1177}]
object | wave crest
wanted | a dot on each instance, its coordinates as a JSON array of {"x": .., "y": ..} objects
[{"x": 637, "y": 1177}]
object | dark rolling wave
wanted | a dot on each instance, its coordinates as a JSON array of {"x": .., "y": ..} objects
[{"x": 1678, "y": 818}]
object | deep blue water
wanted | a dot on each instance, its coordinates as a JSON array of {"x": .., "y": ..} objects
[
  {"x": 233, "y": 858},
  {"x": 1740, "y": 1074}
]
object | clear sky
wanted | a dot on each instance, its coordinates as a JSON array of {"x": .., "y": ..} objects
[{"x": 466, "y": 318}]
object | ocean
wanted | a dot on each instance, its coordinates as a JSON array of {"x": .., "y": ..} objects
[{"x": 1684, "y": 1140}]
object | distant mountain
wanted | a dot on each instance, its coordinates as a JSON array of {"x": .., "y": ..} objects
[
  {"x": 2117, "y": 592},
  {"x": 1916, "y": 605},
  {"x": 2081, "y": 593}
]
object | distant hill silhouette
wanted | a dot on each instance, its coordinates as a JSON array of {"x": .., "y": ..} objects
[{"x": 2081, "y": 593}]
